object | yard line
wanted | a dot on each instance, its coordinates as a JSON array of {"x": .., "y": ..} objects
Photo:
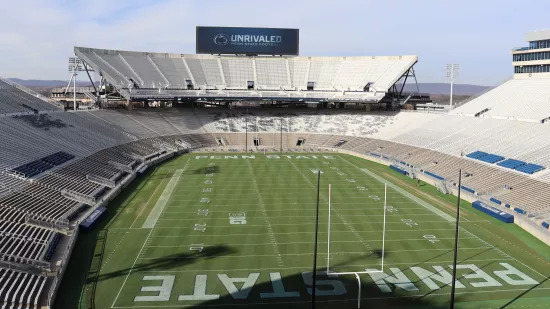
[
  {"x": 147, "y": 203},
  {"x": 144, "y": 243},
  {"x": 318, "y": 253},
  {"x": 304, "y": 242},
  {"x": 308, "y": 267},
  {"x": 304, "y": 232},
  {"x": 444, "y": 215},
  {"x": 154, "y": 215},
  {"x": 350, "y": 227},
  {"x": 275, "y": 217},
  {"x": 266, "y": 217},
  {"x": 348, "y": 224},
  {"x": 131, "y": 268},
  {"x": 390, "y": 198},
  {"x": 286, "y": 209}
]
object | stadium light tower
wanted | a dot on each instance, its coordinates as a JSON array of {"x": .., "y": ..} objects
[
  {"x": 75, "y": 66},
  {"x": 452, "y": 74}
]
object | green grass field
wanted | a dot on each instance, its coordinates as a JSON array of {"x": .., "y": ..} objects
[{"x": 221, "y": 230}]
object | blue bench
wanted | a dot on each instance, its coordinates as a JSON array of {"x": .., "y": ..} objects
[
  {"x": 397, "y": 169},
  {"x": 494, "y": 200},
  {"x": 434, "y": 175}
]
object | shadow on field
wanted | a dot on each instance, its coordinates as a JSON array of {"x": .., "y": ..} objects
[
  {"x": 205, "y": 170},
  {"x": 83, "y": 264},
  {"x": 169, "y": 262},
  {"x": 332, "y": 292},
  {"x": 523, "y": 294},
  {"x": 342, "y": 291}
]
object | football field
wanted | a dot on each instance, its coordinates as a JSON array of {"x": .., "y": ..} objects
[{"x": 238, "y": 231}]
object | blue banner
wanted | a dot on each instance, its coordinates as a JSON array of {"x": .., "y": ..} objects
[
  {"x": 93, "y": 218},
  {"x": 493, "y": 212},
  {"x": 255, "y": 41}
]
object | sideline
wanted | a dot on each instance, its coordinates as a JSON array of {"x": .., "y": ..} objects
[{"x": 154, "y": 215}]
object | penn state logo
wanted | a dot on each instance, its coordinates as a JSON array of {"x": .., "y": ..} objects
[{"x": 221, "y": 39}]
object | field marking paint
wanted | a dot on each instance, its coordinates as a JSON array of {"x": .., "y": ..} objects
[
  {"x": 303, "y": 232},
  {"x": 438, "y": 212},
  {"x": 361, "y": 253},
  {"x": 284, "y": 217},
  {"x": 131, "y": 268},
  {"x": 147, "y": 203},
  {"x": 304, "y": 242},
  {"x": 344, "y": 221},
  {"x": 279, "y": 210},
  {"x": 428, "y": 294},
  {"x": 154, "y": 215},
  {"x": 308, "y": 267},
  {"x": 151, "y": 230},
  {"x": 347, "y": 224},
  {"x": 266, "y": 217}
]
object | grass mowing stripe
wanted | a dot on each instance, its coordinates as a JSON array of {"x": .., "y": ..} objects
[
  {"x": 344, "y": 221},
  {"x": 147, "y": 203},
  {"x": 266, "y": 217},
  {"x": 154, "y": 215}
]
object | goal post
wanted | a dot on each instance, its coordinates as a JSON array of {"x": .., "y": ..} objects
[{"x": 357, "y": 273}]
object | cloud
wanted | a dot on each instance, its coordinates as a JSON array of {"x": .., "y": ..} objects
[{"x": 37, "y": 36}]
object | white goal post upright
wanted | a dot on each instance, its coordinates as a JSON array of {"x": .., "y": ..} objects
[
  {"x": 357, "y": 273},
  {"x": 384, "y": 225},
  {"x": 328, "y": 241}
]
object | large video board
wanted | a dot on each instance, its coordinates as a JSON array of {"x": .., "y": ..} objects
[{"x": 255, "y": 41}]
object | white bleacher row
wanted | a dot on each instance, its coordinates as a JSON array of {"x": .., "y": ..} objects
[
  {"x": 14, "y": 99},
  {"x": 460, "y": 135},
  {"x": 431, "y": 142},
  {"x": 156, "y": 70},
  {"x": 20, "y": 290},
  {"x": 448, "y": 134},
  {"x": 520, "y": 99}
]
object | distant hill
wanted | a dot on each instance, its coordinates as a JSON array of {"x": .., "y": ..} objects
[
  {"x": 45, "y": 83},
  {"x": 444, "y": 88}
]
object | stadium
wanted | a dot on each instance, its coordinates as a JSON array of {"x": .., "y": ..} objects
[{"x": 248, "y": 176}]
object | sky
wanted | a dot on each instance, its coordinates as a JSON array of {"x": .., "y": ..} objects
[{"x": 37, "y": 36}]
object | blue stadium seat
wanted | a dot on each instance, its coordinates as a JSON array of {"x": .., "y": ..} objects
[
  {"x": 511, "y": 163},
  {"x": 494, "y": 200},
  {"x": 491, "y": 158},
  {"x": 529, "y": 168},
  {"x": 476, "y": 154}
]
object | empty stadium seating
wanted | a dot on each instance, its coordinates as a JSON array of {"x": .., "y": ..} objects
[
  {"x": 520, "y": 99},
  {"x": 505, "y": 158},
  {"x": 342, "y": 77},
  {"x": 18, "y": 100},
  {"x": 43, "y": 164}
]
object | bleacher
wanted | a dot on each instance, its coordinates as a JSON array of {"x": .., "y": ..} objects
[
  {"x": 20, "y": 290},
  {"x": 43, "y": 164},
  {"x": 518, "y": 99},
  {"x": 67, "y": 156},
  {"x": 15, "y": 99},
  {"x": 170, "y": 74}
]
